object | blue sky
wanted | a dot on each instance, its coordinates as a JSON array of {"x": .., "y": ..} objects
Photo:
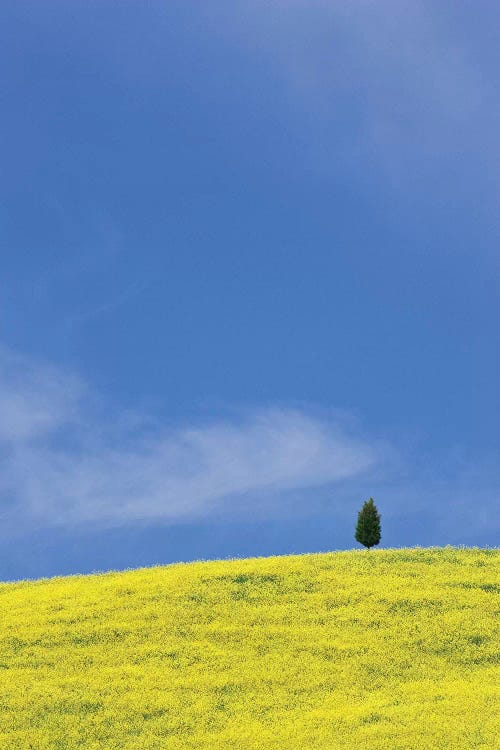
[{"x": 250, "y": 277}]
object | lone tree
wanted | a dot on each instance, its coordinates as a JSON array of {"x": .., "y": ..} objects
[{"x": 368, "y": 525}]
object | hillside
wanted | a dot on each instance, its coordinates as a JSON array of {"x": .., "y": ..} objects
[{"x": 383, "y": 649}]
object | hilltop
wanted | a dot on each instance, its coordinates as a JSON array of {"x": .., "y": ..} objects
[{"x": 386, "y": 649}]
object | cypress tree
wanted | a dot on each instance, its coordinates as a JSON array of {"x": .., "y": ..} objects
[{"x": 368, "y": 525}]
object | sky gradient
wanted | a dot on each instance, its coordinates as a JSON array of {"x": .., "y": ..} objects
[{"x": 250, "y": 277}]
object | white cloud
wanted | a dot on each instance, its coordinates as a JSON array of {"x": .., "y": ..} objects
[
  {"x": 376, "y": 84},
  {"x": 65, "y": 461},
  {"x": 34, "y": 400},
  {"x": 60, "y": 464}
]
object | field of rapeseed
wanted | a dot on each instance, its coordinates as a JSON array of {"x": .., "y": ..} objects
[{"x": 386, "y": 649}]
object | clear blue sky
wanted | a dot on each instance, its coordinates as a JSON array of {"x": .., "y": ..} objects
[{"x": 250, "y": 277}]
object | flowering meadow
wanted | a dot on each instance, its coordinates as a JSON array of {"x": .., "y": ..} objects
[{"x": 379, "y": 649}]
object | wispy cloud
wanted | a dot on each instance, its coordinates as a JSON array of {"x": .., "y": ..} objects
[
  {"x": 66, "y": 461},
  {"x": 385, "y": 85},
  {"x": 61, "y": 464},
  {"x": 92, "y": 312},
  {"x": 35, "y": 400}
]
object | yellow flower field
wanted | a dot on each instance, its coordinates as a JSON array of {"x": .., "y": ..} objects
[{"x": 379, "y": 649}]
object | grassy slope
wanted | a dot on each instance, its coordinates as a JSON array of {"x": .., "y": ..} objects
[{"x": 380, "y": 649}]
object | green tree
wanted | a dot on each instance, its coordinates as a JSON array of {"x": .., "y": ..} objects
[{"x": 368, "y": 525}]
